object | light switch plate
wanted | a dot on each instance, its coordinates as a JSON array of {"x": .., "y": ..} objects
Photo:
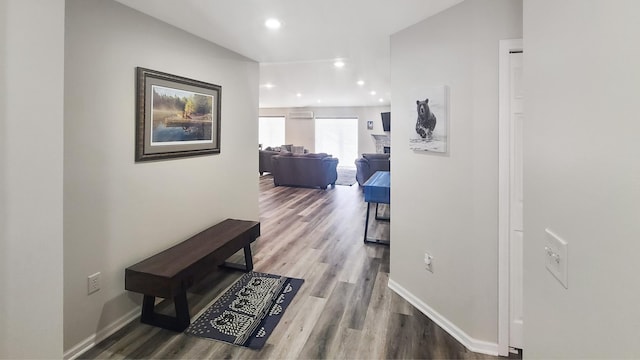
[{"x": 556, "y": 257}]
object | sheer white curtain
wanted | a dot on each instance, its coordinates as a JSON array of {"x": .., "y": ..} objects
[
  {"x": 271, "y": 131},
  {"x": 338, "y": 137}
]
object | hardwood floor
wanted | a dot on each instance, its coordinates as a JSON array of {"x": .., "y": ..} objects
[{"x": 344, "y": 310}]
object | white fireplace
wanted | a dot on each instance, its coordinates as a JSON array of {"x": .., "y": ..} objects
[{"x": 382, "y": 142}]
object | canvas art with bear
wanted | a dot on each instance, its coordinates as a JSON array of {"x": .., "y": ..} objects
[
  {"x": 426, "y": 120},
  {"x": 429, "y": 127}
]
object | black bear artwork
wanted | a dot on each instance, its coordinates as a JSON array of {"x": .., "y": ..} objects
[{"x": 426, "y": 119}]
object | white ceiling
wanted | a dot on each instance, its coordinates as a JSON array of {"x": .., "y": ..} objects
[{"x": 299, "y": 57}]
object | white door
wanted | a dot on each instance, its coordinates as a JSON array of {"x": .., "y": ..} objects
[{"x": 516, "y": 118}]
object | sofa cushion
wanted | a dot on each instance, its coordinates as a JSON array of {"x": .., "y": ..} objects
[
  {"x": 375, "y": 156},
  {"x": 316, "y": 155}
]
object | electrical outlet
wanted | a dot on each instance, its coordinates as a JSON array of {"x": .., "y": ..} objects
[
  {"x": 556, "y": 259},
  {"x": 428, "y": 262},
  {"x": 93, "y": 283}
]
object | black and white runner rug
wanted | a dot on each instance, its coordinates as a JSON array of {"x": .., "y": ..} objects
[{"x": 248, "y": 311}]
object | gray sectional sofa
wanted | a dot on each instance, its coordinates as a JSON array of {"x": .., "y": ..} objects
[
  {"x": 264, "y": 160},
  {"x": 308, "y": 170}
]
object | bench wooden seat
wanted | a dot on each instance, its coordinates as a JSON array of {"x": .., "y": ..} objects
[{"x": 171, "y": 272}]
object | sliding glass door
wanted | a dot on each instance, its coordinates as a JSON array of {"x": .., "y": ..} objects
[
  {"x": 271, "y": 131},
  {"x": 338, "y": 137}
]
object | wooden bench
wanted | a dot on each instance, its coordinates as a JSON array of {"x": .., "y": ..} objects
[{"x": 170, "y": 273}]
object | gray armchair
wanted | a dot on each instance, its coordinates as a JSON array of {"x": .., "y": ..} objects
[{"x": 368, "y": 164}]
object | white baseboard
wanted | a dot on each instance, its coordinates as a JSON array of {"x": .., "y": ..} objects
[
  {"x": 469, "y": 342},
  {"x": 88, "y": 343}
]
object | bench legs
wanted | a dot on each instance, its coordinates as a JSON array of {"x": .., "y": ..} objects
[
  {"x": 182, "y": 319},
  {"x": 248, "y": 261},
  {"x": 178, "y": 323},
  {"x": 378, "y": 217}
]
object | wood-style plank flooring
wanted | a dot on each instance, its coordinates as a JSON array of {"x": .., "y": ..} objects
[{"x": 344, "y": 310}]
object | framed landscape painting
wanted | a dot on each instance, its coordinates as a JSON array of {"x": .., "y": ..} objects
[{"x": 176, "y": 116}]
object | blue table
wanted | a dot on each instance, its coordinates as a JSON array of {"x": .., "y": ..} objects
[{"x": 377, "y": 190}]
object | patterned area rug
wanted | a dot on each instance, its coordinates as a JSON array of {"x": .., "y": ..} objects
[
  {"x": 248, "y": 311},
  {"x": 346, "y": 176}
]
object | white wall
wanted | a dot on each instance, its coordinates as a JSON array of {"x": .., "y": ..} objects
[
  {"x": 582, "y": 177},
  {"x": 118, "y": 212},
  {"x": 302, "y": 131},
  {"x": 31, "y": 154},
  {"x": 447, "y": 205}
]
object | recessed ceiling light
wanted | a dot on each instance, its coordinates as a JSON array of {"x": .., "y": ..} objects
[
  {"x": 319, "y": 101},
  {"x": 338, "y": 64},
  {"x": 360, "y": 82},
  {"x": 372, "y": 92},
  {"x": 269, "y": 85},
  {"x": 299, "y": 95},
  {"x": 381, "y": 100},
  {"x": 273, "y": 23}
]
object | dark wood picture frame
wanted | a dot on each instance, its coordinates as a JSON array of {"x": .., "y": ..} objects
[{"x": 175, "y": 116}]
